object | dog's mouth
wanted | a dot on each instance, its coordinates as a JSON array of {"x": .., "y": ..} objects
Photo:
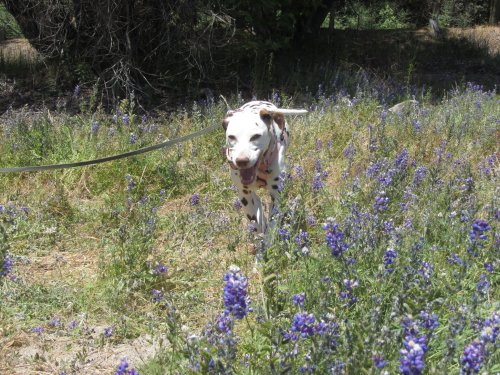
[{"x": 248, "y": 175}]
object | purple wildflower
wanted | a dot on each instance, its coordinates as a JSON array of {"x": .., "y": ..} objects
[
  {"x": 379, "y": 361},
  {"x": 298, "y": 299},
  {"x": 235, "y": 293},
  {"x": 479, "y": 227},
  {"x": 350, "y": 285},
  {"x": 237, "y": 204},
  {"x": 160, "y": 268},
  {"x": 7, "y": 266},
  {"x": 124, "y": 370},
  {"x": 302, "y": 326},
  {"x": 334, "y": 238},
  {"x": 472, "y": 358},
  {"x": 381, "y": 201},
  {"x": 389, "y": 259},
  {"x": 95, "y": 127},
  {"x": 317, "y": 182},
  {"x": 412, "y": 356},
  {"x": 419, "y": 175},
  {"x": 428, "y": 321},
  {"x": 108, "y": 331},
  {"x": 483, "y": 285},
  {"x": 401, "y": 160},
  {"x": 157, "y": 295},
  {"x": 195, "y": 199}
]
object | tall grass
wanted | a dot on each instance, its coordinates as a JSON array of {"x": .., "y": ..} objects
[{"x": 384, "y": 256}]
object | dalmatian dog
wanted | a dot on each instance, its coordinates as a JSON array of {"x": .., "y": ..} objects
[{"x": 257, "y": 137}]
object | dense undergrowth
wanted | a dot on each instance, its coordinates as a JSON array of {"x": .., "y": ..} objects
[{"x": 383, "y": 259}]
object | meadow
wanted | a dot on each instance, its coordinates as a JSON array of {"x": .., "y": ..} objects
[{"x": 384, "y": 258}]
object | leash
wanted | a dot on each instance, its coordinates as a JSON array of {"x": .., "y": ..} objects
[{"x": 139, "y": 151}]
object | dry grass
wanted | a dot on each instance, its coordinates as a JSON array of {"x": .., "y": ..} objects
[{"x": 14, "y": 50}]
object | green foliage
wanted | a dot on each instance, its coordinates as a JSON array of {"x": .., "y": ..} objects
[
  {"x": 462, "y": 13},
  {"x": 378, "y": 15},
  {"x": 9, "y": 28}
]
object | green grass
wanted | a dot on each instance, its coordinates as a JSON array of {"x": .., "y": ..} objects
[{"x": 87, "y": 246}]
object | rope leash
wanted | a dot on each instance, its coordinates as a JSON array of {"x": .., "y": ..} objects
[{"x": 143, "y": 150}]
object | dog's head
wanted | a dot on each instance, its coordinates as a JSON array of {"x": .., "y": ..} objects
[{"x": 248, "y": 136}]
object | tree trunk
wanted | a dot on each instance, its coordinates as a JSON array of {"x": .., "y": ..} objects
[{"x": 494, "y": 12}]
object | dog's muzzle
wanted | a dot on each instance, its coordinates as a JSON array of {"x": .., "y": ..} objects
[{"x": 247, "y": 175}]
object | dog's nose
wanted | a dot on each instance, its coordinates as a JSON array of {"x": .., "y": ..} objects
[{"x": 242, "y": 161}]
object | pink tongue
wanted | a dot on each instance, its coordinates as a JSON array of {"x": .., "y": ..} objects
[{"x": 247, "y": 175}]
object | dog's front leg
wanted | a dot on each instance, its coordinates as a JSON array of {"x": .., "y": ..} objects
[{"x": 252, "y": 206}]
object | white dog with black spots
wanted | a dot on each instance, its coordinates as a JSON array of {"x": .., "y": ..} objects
[{"x": 257, "y": 137}]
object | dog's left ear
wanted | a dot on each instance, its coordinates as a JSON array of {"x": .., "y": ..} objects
[{"x": 277, "y": 116}]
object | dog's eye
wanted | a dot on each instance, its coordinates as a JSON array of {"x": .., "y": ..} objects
[
  {"x": 255, "y": 137},
  {"x": 232, "y": 138}
]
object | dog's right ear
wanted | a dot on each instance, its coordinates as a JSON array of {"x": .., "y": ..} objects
[{"x": 225, "y": 122}]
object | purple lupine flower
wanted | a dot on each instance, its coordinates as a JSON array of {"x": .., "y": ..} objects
[
  {"x": 131, "y": 183},
  {"x": 317, "y": 182},
  {"x": 350, "y": 151},
  {"x": 483, "y": 285},
  {"x": 472, "y": 358},
  {"x": 157, "y": 295},
  {"x": 195, "y": 199},
  {"x": 235, "y": 293},
  {"x": 428, "y": 321},
  {"x": 381, "y": 201},
  {"x": 455, "y": 259},
  {"x": 311, "y": 220},
  {"x": 302, "y": 239},
  {"x": 479, "y": 228},
  {"x": 389, "y": 259},
  {"x": 334, "y": 238},
  {"x": 419, "y": 175},
  {"x": 54, "y": 322},
  {"x": 298, "y": 299},
  {"x": 73, "y": 324},
  {"x": 416, "y": 125},
  {"x": 237, "y": 204},
  {"x": 412, "y": 356},
  {"x": 348, "y": 295},
  {"x": 95, "y": 127},
  {"x": 302, "y": 326},
  {"x": 124, "y": 370},
  {"x": 132, "y": 138},
  {"x": 7, "y": 265},
  {"x": 225, "y": 323},
  {"x": 38, "y": 330},
  {"x": 159, "y": 269},
  {"x": 126, "y": 119},
  {"x": 401, "y": 160},
  {"x": 318, "y": 167},
  {"x": 299, "y": 171},
  {"x": 108, "y": 331},
  {"x": 284, "y": 233},
  {"x": 379, "y": 361}
]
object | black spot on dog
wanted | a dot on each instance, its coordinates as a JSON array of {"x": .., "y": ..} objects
[
  {"x": 262, "y": 180},
  {"x": 275, "y": 187},
  {"x": 254, "y": 218},
  {"x": 276, "y": 179},
  {"x": 245, "y": 191},
  {"x": 244, "y": 201},
  {"x": 245, "y": 187}
]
